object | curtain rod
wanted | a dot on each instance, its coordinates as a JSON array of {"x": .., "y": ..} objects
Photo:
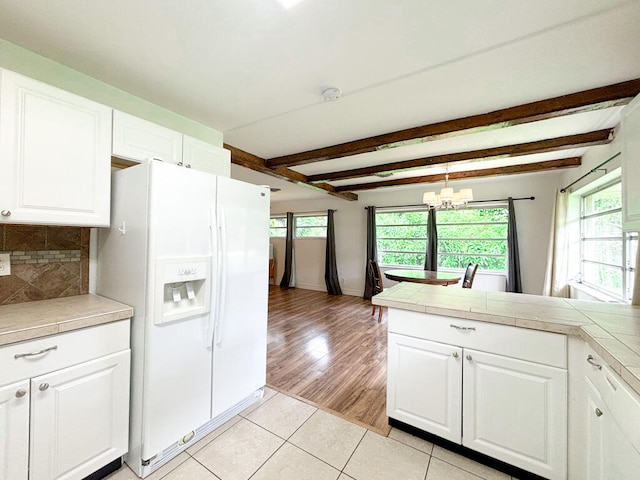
[
  {"x": 589, "y": 172},
  {"x": 472, "y": 201},
  {"x": 314, "y": 212}
]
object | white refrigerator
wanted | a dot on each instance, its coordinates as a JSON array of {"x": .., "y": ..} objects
[{"x": 189, "y": 251}]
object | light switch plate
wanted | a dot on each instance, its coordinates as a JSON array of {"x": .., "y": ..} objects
[{"x": 5, "y": 264}]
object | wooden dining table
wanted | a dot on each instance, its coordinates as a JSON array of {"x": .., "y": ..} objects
[{"x": 422, "y": 276}]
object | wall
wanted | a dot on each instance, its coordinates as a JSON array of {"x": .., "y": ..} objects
[
  {"x": 35, "y": 66},
  {"x": 533, "y": 220},
  {"x": 46, "y": 262}
]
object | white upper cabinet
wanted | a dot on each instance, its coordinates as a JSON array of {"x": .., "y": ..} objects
[
  {"x": 54, "y": 155},
  {"x": 138, "y": 140},
  {"x": 630, "y": 132},
  {"x": 206, "y": 157}
]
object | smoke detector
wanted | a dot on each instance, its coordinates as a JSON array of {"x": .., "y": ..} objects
[{"x": 331, "y": 94}]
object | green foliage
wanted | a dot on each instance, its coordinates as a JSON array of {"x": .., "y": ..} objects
[
  {"x": 278, "y": 227},
  {"x": 603, "y": 277},
  {"x": 307, "y": 226},
  {"x": 608, "y": 199},
  {"x": 315, "y": 226},
  {"x": 470, "y": 235},
  {"x": 316, "y": 221}
]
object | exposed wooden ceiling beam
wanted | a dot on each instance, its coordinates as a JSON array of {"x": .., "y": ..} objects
[
  {"x": 513, "y": 169},
  {"x": 589, "y": 139},
  {"x": 588, "y": 100},
  {"x": 253, "y": 162}
]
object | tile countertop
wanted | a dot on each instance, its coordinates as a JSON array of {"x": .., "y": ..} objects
[
  {"x": 612, "y": 330},
  {"x": 26, "y": 321}
]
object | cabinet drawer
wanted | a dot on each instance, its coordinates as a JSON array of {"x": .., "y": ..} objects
[
  {"x": 70, "y": 349},
  {"x": 521, "y": 343}
]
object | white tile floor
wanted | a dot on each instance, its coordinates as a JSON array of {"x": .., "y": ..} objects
[{"x": 282, "y": 438}]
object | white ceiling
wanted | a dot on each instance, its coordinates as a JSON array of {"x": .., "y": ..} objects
[{"x": 255, "y": 70}]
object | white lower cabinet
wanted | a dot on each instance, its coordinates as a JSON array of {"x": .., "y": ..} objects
[
  {"x": 79, "y": 418},
  {"x": 515, "y": 411},
  {"x": 68, "y": 415},
  {"x": 611, "y": 415},
  {"x": 14, "y": 428},
  {"x": 456, "y": 383},
  {"x": 424, "y": 385}
]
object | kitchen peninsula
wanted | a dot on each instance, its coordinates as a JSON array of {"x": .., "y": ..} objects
[{"x": 548, "y": 385}]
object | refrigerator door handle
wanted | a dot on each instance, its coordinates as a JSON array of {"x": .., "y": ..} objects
[
  {"x": 222, "y": 289},
  {"x": 214, "y": 278}
]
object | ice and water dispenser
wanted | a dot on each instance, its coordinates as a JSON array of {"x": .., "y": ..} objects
[{"x": 183, "y": 288}]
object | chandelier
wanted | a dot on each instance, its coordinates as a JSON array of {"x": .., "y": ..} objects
[{"x": 447, "y": 198}]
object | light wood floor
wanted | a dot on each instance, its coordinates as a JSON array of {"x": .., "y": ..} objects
[{"x": 330, "y": 351}]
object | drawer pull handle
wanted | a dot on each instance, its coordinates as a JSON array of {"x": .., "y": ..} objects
[
  {"x": 590, "y": 359},
  {"x": 21, "y": 393},
  {"x": 458, "y": 327},
  {"x": 33, "y": 354},
  {"x": 598, "y": 412},
  {"x": 43, "y": 387},
  {"x": 469, "y": 357},
  {"x": 6, "y": 213},
  {"x": 455, "y": 355}
]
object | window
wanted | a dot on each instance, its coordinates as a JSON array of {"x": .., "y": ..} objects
[
  {"x": 476, "y": 235},
  {"x": 401, "y": 237},
  {"x": 306, "y": 226},
  {"x": 473, "y": 235},
  {"x": 278, "y": 227},
  {"x": 607, "y": 254}
]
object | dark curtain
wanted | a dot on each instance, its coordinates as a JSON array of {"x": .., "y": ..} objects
[
  {"x": 330, "y": 268},
  {"x": 431, "y": 260},
  {"x": 514, "y": 281},
  {"x": 372, "y": 254},
  {"x": 288, "y": 256}
]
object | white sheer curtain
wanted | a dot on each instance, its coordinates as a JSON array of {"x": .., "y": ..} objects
[{"x": 556, "y": 282}]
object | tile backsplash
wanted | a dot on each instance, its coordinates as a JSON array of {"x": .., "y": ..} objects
[{"x": 46, "y": 262}]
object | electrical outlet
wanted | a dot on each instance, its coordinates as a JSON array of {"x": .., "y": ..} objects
[{"x": 5, "y": 264}]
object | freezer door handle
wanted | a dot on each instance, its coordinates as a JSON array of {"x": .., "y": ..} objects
[
  {"x": 222, "y": 274},
  {"x": 214, "y": 279}
]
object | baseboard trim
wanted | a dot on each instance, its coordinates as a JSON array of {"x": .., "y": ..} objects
[
  {"x": 466, "y": 452},
  {"x": 322, "y": 288}
]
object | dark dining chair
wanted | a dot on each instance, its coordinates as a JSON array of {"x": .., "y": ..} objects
[
  {"x": 374, "y": 271},
  {"x": 469, "y": 275}
]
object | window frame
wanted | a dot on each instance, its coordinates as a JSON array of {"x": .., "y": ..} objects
[
  {"x": 296, "y": 227},
  {"x": 278, "y": 228},
  {"x": 625, "y": 239},
  {"x": 383, "y": 210}
]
